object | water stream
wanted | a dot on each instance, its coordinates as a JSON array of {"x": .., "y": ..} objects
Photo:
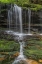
[
  {"x": 21, "y": 56},
  {"x": 18, "y": 12},
  {"x": 19, "y": 33},
  {"x": 18, "y": 20},
  {"x": 29, "y": 17}
]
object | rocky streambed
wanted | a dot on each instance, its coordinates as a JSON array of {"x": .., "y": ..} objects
[{"x": 9, "y": 49}]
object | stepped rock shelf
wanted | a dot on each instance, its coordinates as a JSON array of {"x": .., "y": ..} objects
[{"x": 35, "y": 24}]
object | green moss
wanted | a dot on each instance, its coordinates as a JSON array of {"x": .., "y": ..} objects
[
  {"x": 14, "y": 1},
  {"x": 8, "y": 45},
  {"x": 34, "y": 54},
  {"x": 33, "y": 49},
  {"x": 36, "y": 7}
]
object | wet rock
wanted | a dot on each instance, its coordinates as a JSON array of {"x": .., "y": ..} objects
[
  {"x": 2, "y": 57},
  {"x": 14, "y": 55}
]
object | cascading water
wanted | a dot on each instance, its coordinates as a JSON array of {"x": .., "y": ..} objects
[
  {"x": 10, "y": 18},
  {"x": 21, "y": 47},
  {"x": 21, "y": 56},
  {"x": 11, "y": 13},
  {"x": 18, "y": 20},
  {"x": 18, "y": 17},
  {"x": 29, "y": 17},
  {"x": 18, "y": 13}
]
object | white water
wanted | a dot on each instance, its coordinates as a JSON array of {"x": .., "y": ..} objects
[
  {"x": 18, "y": 13},
  {"x": 21, "y": 47},
  {"x": 9, "y": 18},
  {"x": 20, "y": 18},
  {"x": 21, "y": 35},
  {"x": 15, "y": 9},
  {"x": 29, "y": 16},
  {"x": 21, "y": 56},
  {"x": 11, "y": 15}
]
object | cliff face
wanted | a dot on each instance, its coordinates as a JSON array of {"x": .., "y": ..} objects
[{"x": 3, "y": 14}]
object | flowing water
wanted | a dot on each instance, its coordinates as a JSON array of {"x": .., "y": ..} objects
[
  {"x": 9, "y": 18},
  {"x": 29, "y": 17},
  {"x": 18, "y": 17},
  {"x": 18, "y": 14},
  {"x": 15, "y": 10},
  {"x": 19, "y": 33},
  {"x": 21, "y": 55}
]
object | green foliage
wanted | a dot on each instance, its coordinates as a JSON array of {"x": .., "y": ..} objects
[
  {"x": 24, "y": 3},
  {"x": 36, "y": 7},
  {"x": 33, "y": 49},
  {"x": 14, "y": 1}
]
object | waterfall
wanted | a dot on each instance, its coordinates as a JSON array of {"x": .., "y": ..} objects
[
  {"x": 21, "y": 49},
  {"x": 11, "y": 13},
  {"x": 20, "y": 18},
  {"x": 18, "y": 14},
  {"x": 21, "y": 56},
  {"x": 10, "y": 18},
  {"x": 29, "y": 17}
]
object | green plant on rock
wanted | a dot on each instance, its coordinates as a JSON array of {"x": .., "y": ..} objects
[{"x": 8, "y": 45}]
